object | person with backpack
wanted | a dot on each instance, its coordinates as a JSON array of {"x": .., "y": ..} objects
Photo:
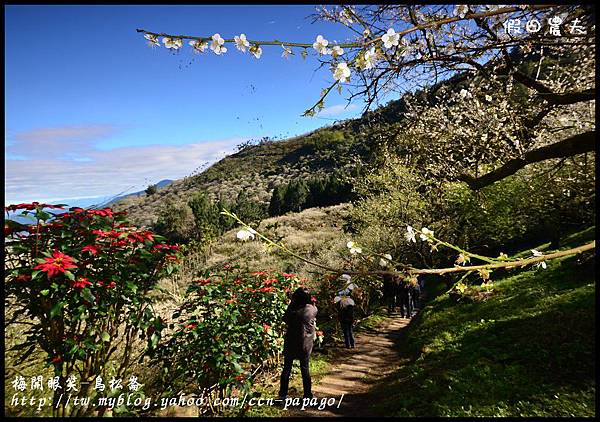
[
  {"x": 300, "y": 318},
  {"x": 345, "y": 307}
]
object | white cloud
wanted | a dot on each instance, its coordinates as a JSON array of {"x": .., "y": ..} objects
[
  {"x": 334, "y": 110},
  {"x": 45, "y": 175}
]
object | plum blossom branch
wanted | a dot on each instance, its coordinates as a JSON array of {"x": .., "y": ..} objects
[{"x": 537, "y": 258}]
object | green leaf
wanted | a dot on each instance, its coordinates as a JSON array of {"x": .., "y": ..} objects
[
  {"x": 87, "y": 295},
  {"x": 56, "y": 309},
  {"x": 105, "y": 336},
  {"x": 154, "y": 340},
  {"x": 35, "y": 274},
  {"x": 70, "y": 275},
  {"x": 45, "y": 292}
]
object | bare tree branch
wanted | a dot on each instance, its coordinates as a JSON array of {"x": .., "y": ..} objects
[{"x": 578, "y": 144}]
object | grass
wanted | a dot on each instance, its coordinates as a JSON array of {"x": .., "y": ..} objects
[{"x": 526, "y": 351}]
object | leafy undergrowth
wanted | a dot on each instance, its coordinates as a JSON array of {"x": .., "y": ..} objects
[{"x": 528, "y": 350}]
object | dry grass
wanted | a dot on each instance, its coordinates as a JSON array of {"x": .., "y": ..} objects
[{"x": 315, "y": 233}]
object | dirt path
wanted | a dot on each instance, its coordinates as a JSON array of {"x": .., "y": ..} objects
[{"x": 375, "y": 355}]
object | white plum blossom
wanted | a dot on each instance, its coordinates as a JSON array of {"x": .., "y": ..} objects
[
  {"x": 337, "y": 51},
  {"x": 461, "y": 10},
  {"x": 241, "y": 43},
  {"x": 342, "y": 72},
  {"x": 346, "y": 17},
  {"x": 464, "y": 93},
  {"x": 366, "y": 33},
  {"x": 199, "y": 46},
  {"x": 353, "y": 248},
  {"x": 172, "y": 43},
  {"x": 426, "y": 234},
  {"x": 346, "y": 277},
  {"x": 410, "y": 234},
  {"x": 541, "y": 264},
  {"x": 286, "y": 52},
  {"x": 370, "y": 58},
  {"x": 152, "y": 40},
  {"x": 384, "y": 262},
  {"x": 390, "y": 38},
  {"x": 245, "y": 235},
  {"x": 256, "y": 51},
  {"x": 217, "y": 45},
  {"x": 321, "y": 45}
]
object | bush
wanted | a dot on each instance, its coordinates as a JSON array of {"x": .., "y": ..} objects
[
  {"x": 229, "y": 325},
  {"x": 151, "y": 190},
  {"x": 82, "y": 278}
]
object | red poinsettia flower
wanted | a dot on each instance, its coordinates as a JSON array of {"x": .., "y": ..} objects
[
  {"x": 106, "y": 212},
  {"x": 191, "y": 326},
  {"x": 288, "y": 275},
  {"x": 230, "y": 301},
  {"x": 266, "y": 289},
  {"x": 266, "y": 327},
  {"x": 270, "y": 281},
  {"x": 257, "y": 273},
  {"x": 203, "y": 282},
  {"x": 30, "y": 206},
  {"x": 91, "y": 249},
  {"x": 313, "y": 299},
  {"x": 59, "y": 263},
  {"x": 240, "y": 378},
  {"x": 56, "y": 359},
  {"x": 81, "y": 283},
  {"x": 23, "y": 277}
]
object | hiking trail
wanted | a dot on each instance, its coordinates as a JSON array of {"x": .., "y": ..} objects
[{"x": 357, "y": 370}]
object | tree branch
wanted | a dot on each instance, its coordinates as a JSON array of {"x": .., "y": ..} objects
[{"x": 578, "y": 144}]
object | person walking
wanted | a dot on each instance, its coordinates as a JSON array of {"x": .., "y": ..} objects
[
  {"x": 345, "y": 306},
  {"x": 404, "y": 298},
  {"x": 389, "y": 292},
  {"x": 300, "y": 319},
  {"x": 415, "y": 293}
]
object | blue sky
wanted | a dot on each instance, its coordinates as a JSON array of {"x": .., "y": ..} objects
[{"x": 91, "y": 110}]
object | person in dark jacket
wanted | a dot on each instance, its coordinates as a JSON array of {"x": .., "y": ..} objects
[
  {"x": 346, "y": 317},
  {"x": 415, "y": 293},
  {"x": 389, "y": 292},
  {"x": 300, "y": 318},
  {"x": 404, "y": 298}
]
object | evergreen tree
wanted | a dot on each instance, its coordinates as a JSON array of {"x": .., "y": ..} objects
[
  {"x": 206, "y": 216},
  {"x": 277, "y": 203},
  {"x": 151, "y": 190},
  {"x": 247, "y": 210},
  {"x": 296, "y": 196},
  {"x": 317, "y": 196}
]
